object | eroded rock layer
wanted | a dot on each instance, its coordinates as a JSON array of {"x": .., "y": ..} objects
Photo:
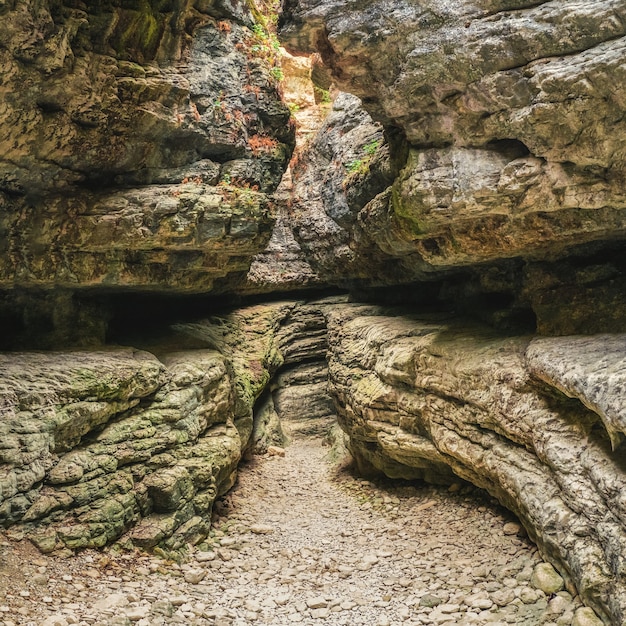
[
  {"x": 100, "y": 444},
  {"x": 300, "y": 388},
  {"x": 95, "y": 444},
  {"x": 433, "y": 398},
  {"x": 140, "y": 141},
  {"x": 501, "y": 164}
]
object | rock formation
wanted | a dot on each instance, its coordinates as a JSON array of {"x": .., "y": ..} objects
[
  {"x": 437, "y": 398},
  {"x": 140, "y": 141},
  {"x": 472, "y": 167},
  {"x": 97, "y": 443},
  {"x": 101, "y": 443},
  {"x": 505, "y": 170}
]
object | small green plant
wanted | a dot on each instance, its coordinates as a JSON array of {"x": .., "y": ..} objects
[
  {"x": 371, "y": 147},
  {"x": 259, "y": 31},
  {"x": 293, "y": 107},
  {"x": 322, "y": 96},
  {"x": 355, "y": 166},
  {"x": 361, "y": 167},
  {"x": 264, "y": 44},
  {"x": 217, "y": 102},
  {"x": 277, "y": 73}
]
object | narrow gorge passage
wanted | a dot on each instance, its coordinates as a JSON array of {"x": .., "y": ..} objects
[{"x": 302, "y": 540}]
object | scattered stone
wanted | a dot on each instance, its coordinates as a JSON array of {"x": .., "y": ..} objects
[
  {"x": 511, "y": 528},
  {"x": 282, "y": 598},
  {"x": 40, "y": 579},
  {"x": 275, "y": 451},
  {"x": 479, "y": 602},
  {"x": 316, "y": 603},
  {"x": 503, "y": 597},
  {"x": 112, "y": 601},
  {"x": 429, "y": 600},
  {"x": 586, "y": 617},
  {"x": 136, "y": 613},
  {"x": 261, "y": 529},
  {"x": 162, "y": 607},
  {"x": 55, "y": 620},
  {"x": 558, "y": 605},
  {"x": 546, "y": 578},
  {"x": 195, "y": 576},
  {"x": 252, "y": 605}
]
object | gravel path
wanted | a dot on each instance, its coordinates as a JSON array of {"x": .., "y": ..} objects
[{"x": 300, "y": 541}]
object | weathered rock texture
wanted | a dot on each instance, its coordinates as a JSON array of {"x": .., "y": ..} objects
[
  {"x": 139, "y": 142},
  {"x": 97, "y": 443},
  {"x": 299, "y": 390},
  {"x": 434, "y": 398},
  {"x": 334, "y": 176},
  {"x": 505, "y": 129},
  {"x": 98, "y": 440},
  {"x": 99, "y": 446}
]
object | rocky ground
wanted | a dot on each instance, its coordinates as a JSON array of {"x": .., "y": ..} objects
[{"x": 302, "y": 540}]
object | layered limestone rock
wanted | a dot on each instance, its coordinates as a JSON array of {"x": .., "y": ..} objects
[
  {"x": 436, "y": 398},
  {"x": 140, "y": 142},
  {"x": 299, "y": 391},
  {"x": 99, "y": 443},
  {"x": 334, "y": 176},
  {"x": 94, "y": 442},
  {"x": 592, "y": 369},
  {"x": 122, "y": 445},
  {"x": 504, "y": 128},
  {"x": 136, "y": 445}
]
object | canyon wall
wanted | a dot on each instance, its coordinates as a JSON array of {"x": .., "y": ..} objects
[
  {"x": 134, "y": 446},
  {"x": 471, "y": 169},
  {"x": 140, "y": 144},
  {"x": 535, "y": 421},
  {"x": 499, "y": 178},
  {"x": 97, "y": 443}
]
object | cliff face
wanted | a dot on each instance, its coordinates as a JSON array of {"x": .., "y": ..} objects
[
  {"x": 139, "y": 143},
  {"x": 504, "y": 135},
  {"x": 482, "y": 170}
]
